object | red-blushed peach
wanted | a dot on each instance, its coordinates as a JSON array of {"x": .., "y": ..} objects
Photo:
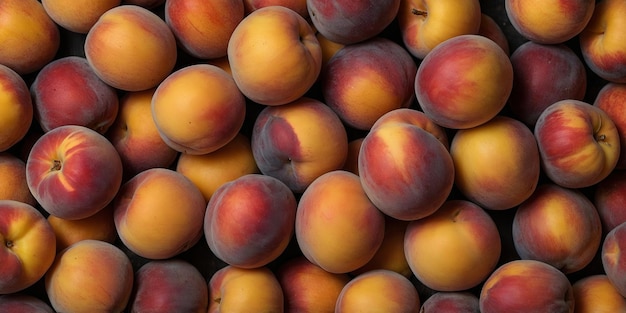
[
  {"x": 549, "y": 22},
  {"x": 309, "y": 288},
  {"x": 596, "y": 293},
  {"x": 558, "y": 226},
  {"x": 299, "y": 141},
  {"x": 497, "y": 163},
  {"x": 603, "y": 43},
  {"x": 365, "y": 80},
  {"x": 203, "y": 28},
  {"x": 337, "y": 227},
  {"x": 30, "y": 38},
  {"x": 158, "y": 213},
  {"x": 578, "y": 143},
  {"x": 451, "y": 302},
  {"x": 99, "y": 226},
  {"x": 210, "y": 171},
  {"x": 172, "y": 285},
  {"x": 73, "y": 171},
  {"x": 454, "y": 249},
  {"x": 249, "y": 221},
  {"x": 352, "y": 158},
  {"x": 67, "y": 91},
  {"x": 426, "y": 24},
  {"x": 329, "y": 48},
  {"x": 349, "y": 22},
  {"x": 13, "y": 184},
  {"x": 77, "y": 16},
  {"x": 490, "y": 29},
  {"x": 609, "y": 198},
  {"x": 613, "y": 258},
  {"x": 526, "y": 286},
  {"x": 198, "y": 109},
  {"x": 23, "y": 302},
  {"x": 28, "y": 246},
  {"x": 16, "y": 108},
  {"x": 611, "y": 98},
  {"x": 378, "y": 290},
  {"x": 297, "y": 5},
  {"x": 404, "y": 165},
  {"x": 274, "y": 56},
  {"x": 131, "y": 48},
  {"x": 464, "y": 81},
  {"x": 233, "y": 289},
  {"x": 543, "y": 75},
  {"x": 136, "y": 137},
  {"x": 90, "y": 276}
]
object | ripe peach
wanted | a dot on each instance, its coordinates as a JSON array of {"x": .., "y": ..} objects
[
  {"x": 99, "y": 226},
  {"x": 16, "y": 108},
  {"x": 451, "y": 302},
  {"x": 609, "y": 198},
  {"x": 596, "y": 293},
  {"x": 13, "y": 178},
  {"x": 613, "y": 258},
  {"x": 23, "y": 302},
  {"x": 77, "y": 16},
  {"x": 611, "y": 98},
  {"x": 131, "y": 48},
  {"x": 234, "y": 289}
]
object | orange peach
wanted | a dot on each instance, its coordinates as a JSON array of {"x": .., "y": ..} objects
[
  {"x": 337, "y": 227},
  {"x": 131, "y": 48},
  {"x": 14, "y": 185},
  {"x": 99, "y": 226},
  {"x": 233, "y": 289},
  {"x": 611, "y": 98},
  {"x": 16, "y": 108},
  {"x": 90, "y": 276},
  {"x": 23, "y": 302},
  {"x": 198, "y": 109},
  {"x": 77, "y": 16},
  {"x": 596, "y": 293}
]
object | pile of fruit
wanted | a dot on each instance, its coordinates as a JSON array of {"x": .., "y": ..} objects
[{"x": 312, "y": 156}]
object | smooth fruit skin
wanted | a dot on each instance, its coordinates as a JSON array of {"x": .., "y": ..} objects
[
  {"x": 99, "y": 226},
  {"x": 611, "y": 98},
  {"x": 16, "y": 108},
  {"x": 489, "y": 28},
  {"x": 612, "y": 257},
  {"x": 609, "y": 199},
  {"x": 13, "y": 178},
  {"x": 77, "y": 16},
  {"x": 596, "y": 293}
]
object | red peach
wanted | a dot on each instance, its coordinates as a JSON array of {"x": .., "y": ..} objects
[
  {"x": 613, "y": 258},
  {"x": 612, "y": 99},
  {"x": 609, "y": 199}
]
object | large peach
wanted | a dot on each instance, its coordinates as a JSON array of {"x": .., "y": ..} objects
[
  {"x": 611, "y": 98},
  {"x": 249, "y": 221},
  {"x": 90, "y": 276},
  {"x": 68, "y": 92},
  {"x": 596, "y": 293},
  {"x": 464, "y": 81},
  {"x": 99, "y": 226},
  {"x": 609, "y": 198},
  {"x": 158, "y": 213},
  {"x": 234, "y": 289},
  {"x": 363, "y": 81},
  {"x": 404, "y": 165},
  {"x": 274, "y": 55},
  {"x": 131, "y": 48},
  {"x": 13, "y": 184},
  {"x": 299, "y": 141},
  {"x": 198, "y": 109},
  {"x": 77, "y": 16},
  {"x": 337, "y": 227},
  {"x": 613, "y": 258},
  {"x": 16, "y": 108},
  {"x": 73, "y": 171}
]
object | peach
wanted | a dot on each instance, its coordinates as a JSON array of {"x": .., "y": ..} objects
[
  {"x": 298, "y": 142},
  {"x": 203, "y": 28},
  {"x": 131, "y": 48},
  {"x": 497, "y": 163},
  {"x": 611, "y": 98},
  {"x": 609, "y": 198},
  {"x": 424, "y": 24},
  {"x": 99, "y": 226},
  {"x": 490, "y": 29},
  {"x": 378, "y": 290},
  {"x": 578, "y": 143},
  {"x": 233, "y": 289},
  {"x": 365, "y": 80},
  {"x": 354, "y": 21},
  {"x": 77, "y": 16},
  {"x": 464, "y": 81},
  {"x": 451, "y": 302},
  {"x": 543, "y": 75},
  {"x": 250, "y": 221},
  {"x": 596, "y": 293},
  {"x": 68, "y": 92},
  {"x": 172, "y": 285},
  {"x": 136, "y": 137},
  {"x": 454, "y": 249},
  {"x": 30, "y": 38},
  {"x": 198, "y": 109},
  {"x": 274, "y": 56},
  {"x": 337, "y": 227},
  {"x": 90, "y": 276},
  {"x": 16, "y": 108},
  {"x": 14, "y": 185},
  {"x": 297, "y": 5},
  {"x": 549, "y": 22},
  {"x": 526, "y": 286},
  {"x": 22, "y": 302},
  {"x": 558, "y": 226},
  {"x": 309, "y": 288},
  {"x": 73, "y": 171},
  {"x": 210, "y": 171},
  {"x": 28, "y": 246},
  {"x": 158, "y": 213},
  {"x": 613, "y": 259},
  {"x": 404, "y": 165}
]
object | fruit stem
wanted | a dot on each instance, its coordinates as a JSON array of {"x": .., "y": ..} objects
[
  {"x": 419, "y": 12},
  {"x": 56, "y": 165}
]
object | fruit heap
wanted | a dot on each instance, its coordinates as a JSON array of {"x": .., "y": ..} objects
[{"x": 312, "y": 156}]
